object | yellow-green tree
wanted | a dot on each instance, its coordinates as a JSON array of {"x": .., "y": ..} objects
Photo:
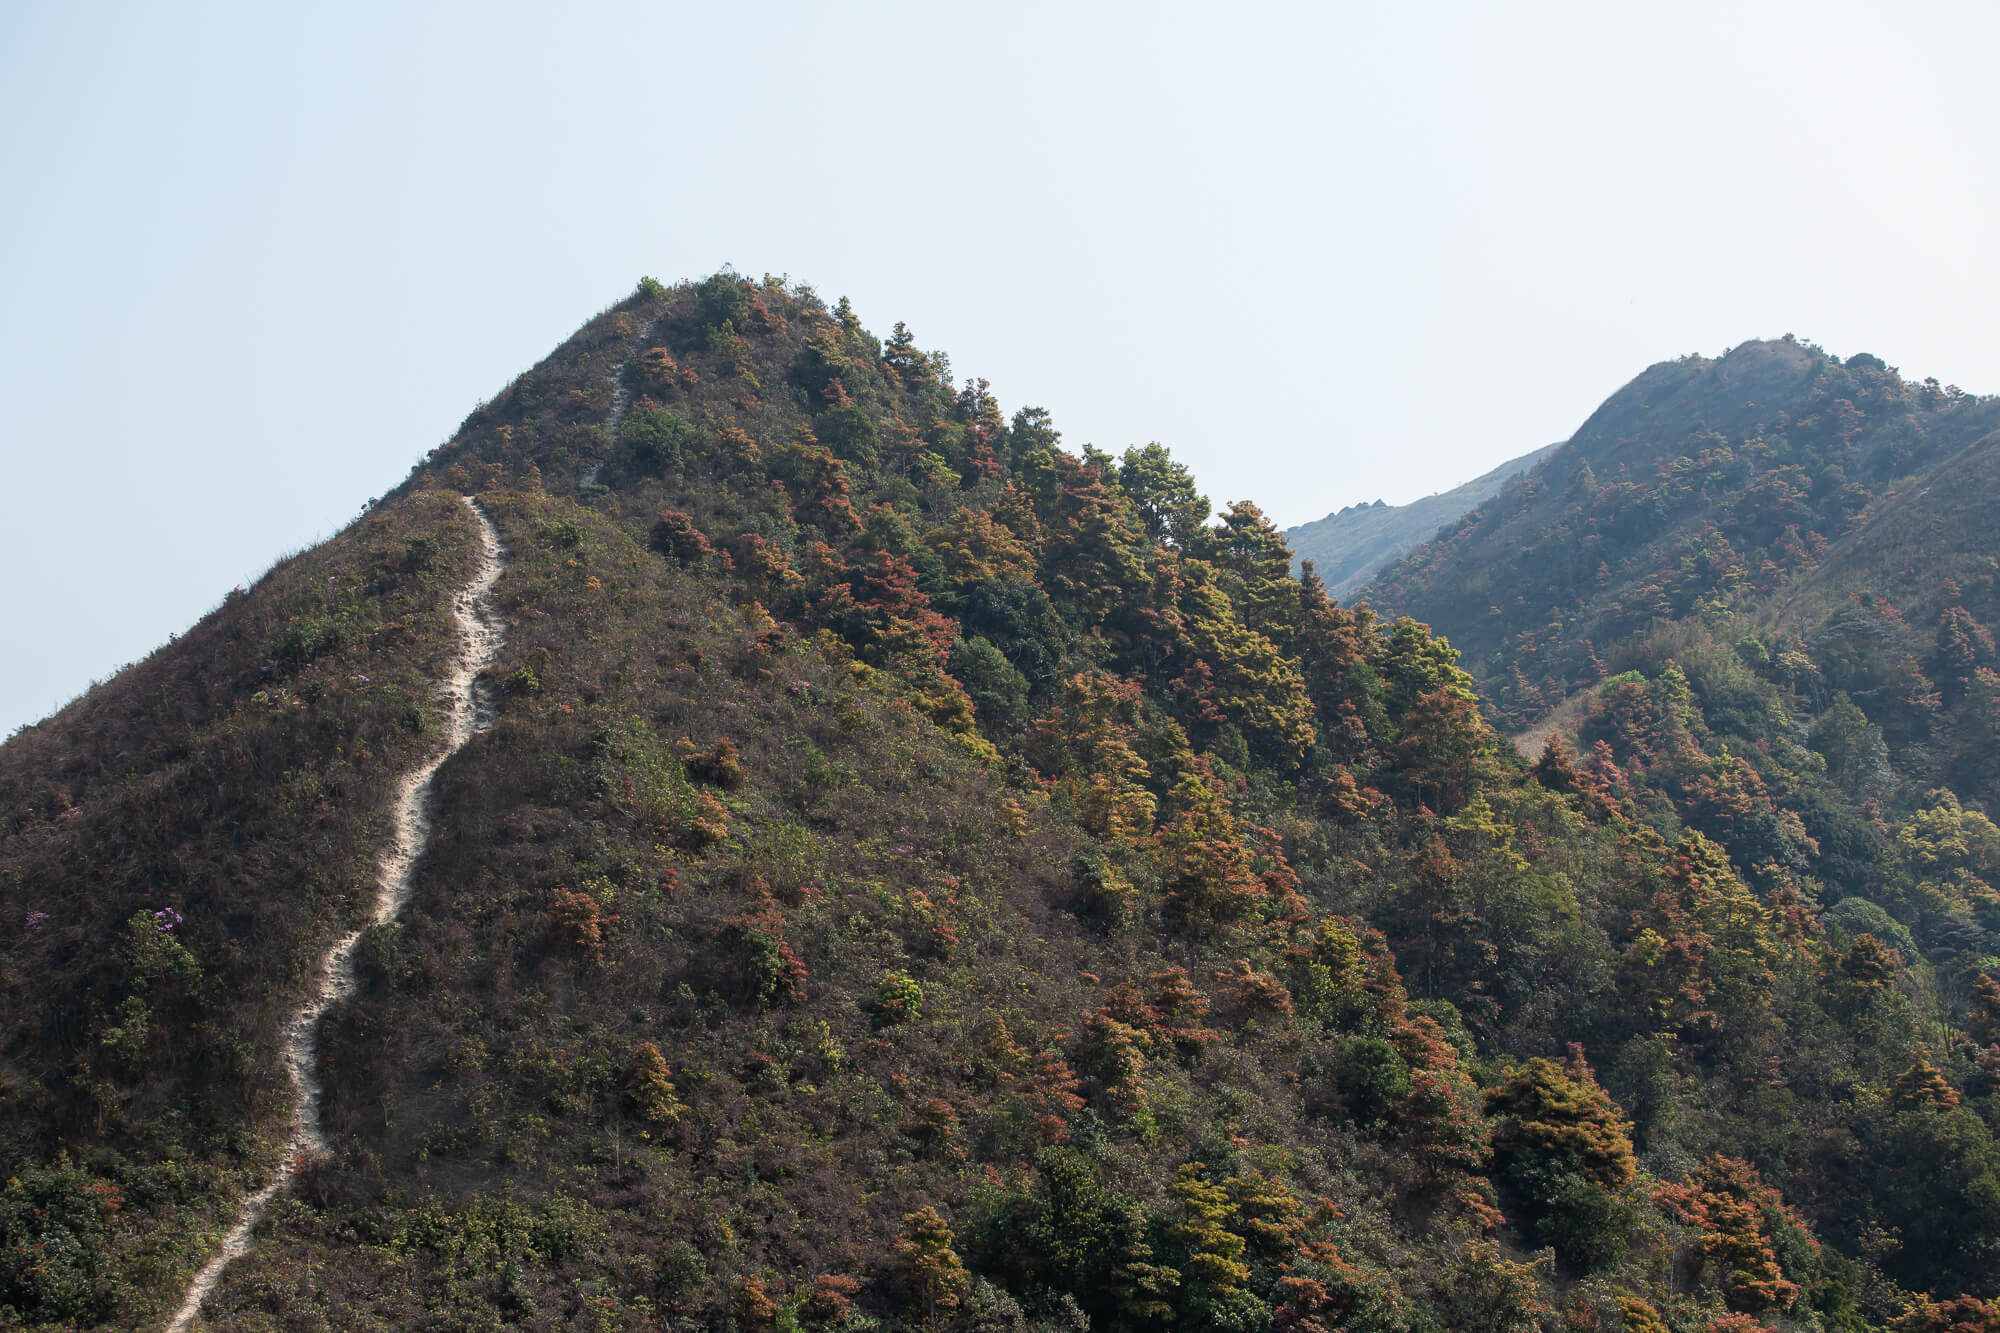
[
  {"x": 932, "y": 1276},
  {"x": 1561, "y": 1153}
]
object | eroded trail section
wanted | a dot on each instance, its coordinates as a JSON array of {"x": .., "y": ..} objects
[
  {"x": 621, "y": 402},
  {"x": 471, "y": 712}
]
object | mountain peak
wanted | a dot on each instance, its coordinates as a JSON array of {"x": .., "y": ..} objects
[{"x": 892, "y": 871}]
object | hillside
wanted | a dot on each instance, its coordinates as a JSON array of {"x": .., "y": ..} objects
[
  {"x": 909, "y": 875},
  {"x": 1938, "y": 525},
  {"x": 1698, "y": 489},
  {"x": 1787, "y": 642},
  {"x": 1348, "y": 546}
]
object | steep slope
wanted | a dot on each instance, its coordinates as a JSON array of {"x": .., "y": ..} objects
[
  {"x": 182, "y": 844},
  {"x": 919, "y": 877},
  {"x": 1348, "y": 546},
  {"x": 335, "y": 978}
]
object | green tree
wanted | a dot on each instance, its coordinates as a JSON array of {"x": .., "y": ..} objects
[
  {"x": 1856, "y": 755},
  {"x": 999, "y": 693},
  {"x": 1166, "y": 497},
  {"x": 1936, "y": 1179},
  {"x": 660, "y": 442}
]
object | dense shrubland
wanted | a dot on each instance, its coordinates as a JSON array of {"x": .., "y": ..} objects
[{"x": 924, "y": 877}]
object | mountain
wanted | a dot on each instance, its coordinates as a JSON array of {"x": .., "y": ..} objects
[
  {"x": 1700, "y": 488},
  {"x": 750, "y": 836},
  {"x": 1755, "y": 597},
  {"x": 1348, "y": 546}
]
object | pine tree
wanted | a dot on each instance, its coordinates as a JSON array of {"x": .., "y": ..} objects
[
  {"x": 1113, "y": 1053},
  {"x": 1268, "y": 1215},
  {"x": 1551, "y": 1115},
  {"x": 1983, "y": 1023},
  {"x": 1208, "y": 882},
  {"x": 1214, "y": 1253},
  {"x": 932, "y": 1276},
  {"x": 652, "y": 1091},
  {"x": 1921, "y": 1087},
  {"x": 1561, "y": 1153},
  {"x": 753, "y": 1307},
  {"x": 1869, "y": 963}
]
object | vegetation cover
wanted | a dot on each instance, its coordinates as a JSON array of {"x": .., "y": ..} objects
[{"x": 924, "y": 877}]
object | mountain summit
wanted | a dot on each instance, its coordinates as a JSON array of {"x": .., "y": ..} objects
[{"x": 749, "y": 835}]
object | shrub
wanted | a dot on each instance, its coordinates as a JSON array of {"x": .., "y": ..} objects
[
  {"x": 1373, "y": 1078},
  {"x": 1965, "y": 1314},
  {"x": 682, "y": 1268},
  {"x": 717, "y": 766},
  {"x": 660, "y": 441},
  {"x": 57, "y": 1224},
  {"x": 898, "y": 999},
  {"x": 577, "y": 923},
  {"x": 564, "y": 534},
  {"x": 767, "y": 971},
  {"x": 1106, "y": 898},
  {"x": 763, "y": 968},
  {"x": 310, "y": 636}
]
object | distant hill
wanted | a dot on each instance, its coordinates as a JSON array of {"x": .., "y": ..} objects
[
  {"x": 1699, "y": 489},
  {"x": 1347, "y": 547}
]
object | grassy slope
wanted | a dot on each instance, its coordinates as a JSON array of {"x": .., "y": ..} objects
[
  {"x": 1937, "y": 526},
  {"x": 239, "y": 776},
  {"x": 854, "y": 813}
]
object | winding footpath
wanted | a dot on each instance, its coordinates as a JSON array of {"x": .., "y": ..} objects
[
  {"x": 480, "y": 636},
  {"x": 621, "y": 401}
]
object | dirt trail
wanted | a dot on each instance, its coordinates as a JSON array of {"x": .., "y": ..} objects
[
  {"x": 480, "y": 636},
  {"x": 621, "y": 400}
]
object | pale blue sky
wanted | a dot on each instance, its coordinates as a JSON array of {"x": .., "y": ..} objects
[{"x": 261, "y": 257}]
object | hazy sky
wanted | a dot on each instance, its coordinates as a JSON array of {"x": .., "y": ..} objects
[{"x": 258, "y": 259}]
